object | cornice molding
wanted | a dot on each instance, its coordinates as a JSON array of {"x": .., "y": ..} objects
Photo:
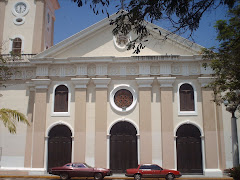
[
  {"x": 145, "y": 82},
  {"x": 166, "y": 81},
  {"x": 80, "y": 82},
  {"x": 41, "y": 83},
  {"x": 204, "y": 81},
  {"x": 101, "y": 82}
]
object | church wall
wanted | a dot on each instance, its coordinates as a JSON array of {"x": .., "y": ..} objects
[
  {"x": 19, "y": 95},
  {"x": 13, "y": 145}
]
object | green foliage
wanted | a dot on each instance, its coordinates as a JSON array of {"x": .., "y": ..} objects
[
  {"x": 225, "y": 61},
  {"x": 10, "y": 117},
  {"x": 234, "y": 172},
  {"x": 5, "y": 71},
  {"x": 183, "y": 15}
]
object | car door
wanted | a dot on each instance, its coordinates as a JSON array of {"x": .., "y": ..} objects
[
  {"x": 80, "y": 170},
  {"x": 145, "y": 170},
  {"x": 156, "y": 171},
  {"x": 89, "y": 171}
]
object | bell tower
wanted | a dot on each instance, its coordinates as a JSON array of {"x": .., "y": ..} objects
[{"x": 27, "y": 25}]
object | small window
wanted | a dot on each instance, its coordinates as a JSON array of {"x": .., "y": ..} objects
[
  {"x": 61, "y": 99},
  {"x": 17, "y": 46},
  {"x": 186, "y": 98},
  {"x": 81, "y": 166},
  {"x": 48, "y": 17},
  {"x": 145, "y": 167}
]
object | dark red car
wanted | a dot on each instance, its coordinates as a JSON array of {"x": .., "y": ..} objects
[
  {"x": 79, "y": 170},
  {"x": 152, "y": 171}
]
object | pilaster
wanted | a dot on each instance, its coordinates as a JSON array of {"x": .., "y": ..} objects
[
  {"x": 29, "y": 135},
  {"x": 39, "y": 122},
  {"x": 80, "y": 118},
  {"x": 145, "y": 119},
  {"x": 209, "y": 125},
  {"x": 166, "y": 94},
  {"x": 101, "y": 121}
]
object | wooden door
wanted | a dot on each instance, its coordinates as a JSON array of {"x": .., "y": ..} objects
[
  {"x": 123, "y": 147},
  {"x": 189, "y": 150},
  {"x": 59, "y": 146}
]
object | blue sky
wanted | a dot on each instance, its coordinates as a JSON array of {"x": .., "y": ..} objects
[{"x": 70, "y": 19}]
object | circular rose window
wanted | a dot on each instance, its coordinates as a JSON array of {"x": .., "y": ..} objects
[{"x": 123, "y": 98}]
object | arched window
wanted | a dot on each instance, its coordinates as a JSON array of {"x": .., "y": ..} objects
[
  {"x": 186, "y": 98},
  {"x": 17, "y": 46},
  {"x": 61, "y": 99}
]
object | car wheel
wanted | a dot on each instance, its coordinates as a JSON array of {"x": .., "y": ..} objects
[
  {"x": 98, "y": 176},
  {"x": 170, "y": 177},
  {"x": 137, "y": 177},
  {"x": 64, "y": 176}
]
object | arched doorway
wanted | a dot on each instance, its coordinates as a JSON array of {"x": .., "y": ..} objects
[
  {"x": 59, "y": 146},
  {"x": 123, "y": 147},
  {"x": 189, "y": 150}
]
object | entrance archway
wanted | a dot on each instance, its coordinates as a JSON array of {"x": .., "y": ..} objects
[
  {"x": 59, "y": 146},
  {"x": 123, "y": 147},
  {"x": 189, "y": 150}
]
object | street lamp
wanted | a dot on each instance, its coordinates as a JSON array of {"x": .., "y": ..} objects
[{"x": 232, "y": 107}]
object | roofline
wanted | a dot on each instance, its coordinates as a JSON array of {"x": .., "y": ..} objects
[{"x": 106, "y": 21}]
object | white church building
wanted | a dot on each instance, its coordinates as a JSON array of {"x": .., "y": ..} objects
[{"x": 88, "y": 99}]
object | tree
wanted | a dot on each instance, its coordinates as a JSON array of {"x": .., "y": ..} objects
[
  {"x": 225, "y": 60},
  {"x": 225, "y": 63},
  {"x": 183, "y": 15},
  {"x": 9, "y": 117}
]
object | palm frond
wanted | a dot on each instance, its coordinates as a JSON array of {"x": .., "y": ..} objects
[{"x": 9, "y": 118}]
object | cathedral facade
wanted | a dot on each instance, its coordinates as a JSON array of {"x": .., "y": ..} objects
[{"x": 89, "y": 99}]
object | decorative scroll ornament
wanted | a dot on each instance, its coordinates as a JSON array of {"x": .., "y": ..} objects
[{"x": 121, "y": 40}]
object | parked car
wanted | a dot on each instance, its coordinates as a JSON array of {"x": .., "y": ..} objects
[
  {"x": 80, "y": 170},
  {"x": 152, "y": 171}
]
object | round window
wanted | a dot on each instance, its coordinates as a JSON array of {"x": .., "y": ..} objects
[{"x": 123, "y": 98}]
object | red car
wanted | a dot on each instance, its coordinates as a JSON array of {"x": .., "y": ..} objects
[
  {"x": 152, "y": 170},
  {"x": 79, "y": 170}
]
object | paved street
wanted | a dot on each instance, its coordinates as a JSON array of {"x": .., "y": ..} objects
[
  {"x": 118, "y": 178},
  {"x": 26, "y": 178}
]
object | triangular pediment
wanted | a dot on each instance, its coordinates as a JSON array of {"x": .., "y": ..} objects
[{"x": 98, "y": 41}]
